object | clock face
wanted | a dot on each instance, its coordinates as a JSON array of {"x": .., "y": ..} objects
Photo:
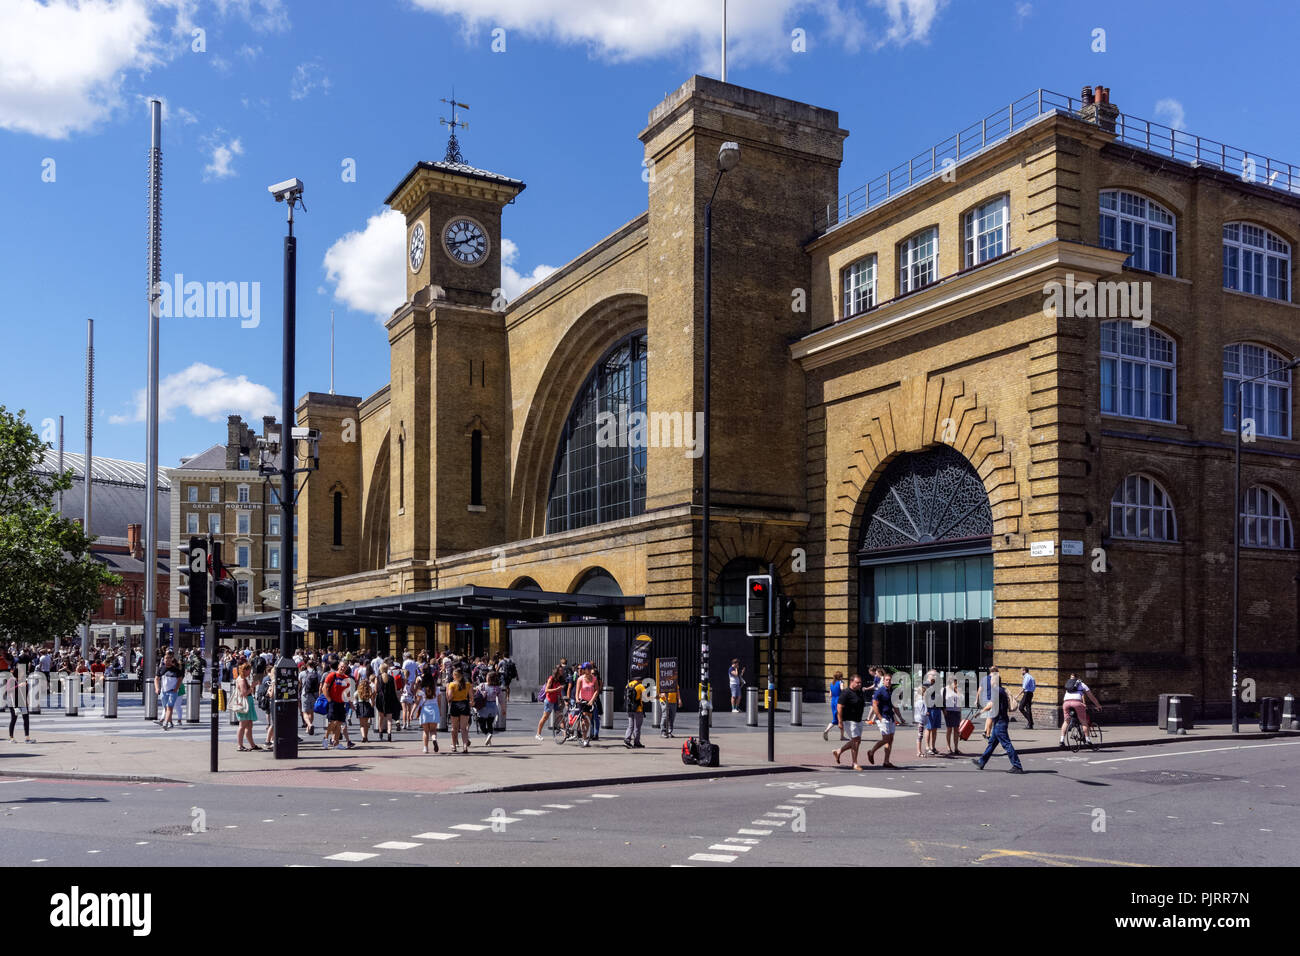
[
  {"x": 465, "y": 241},
  {"x": 416, "y": 254}
]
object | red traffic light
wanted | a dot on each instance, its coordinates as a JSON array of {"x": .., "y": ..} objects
[{"x": 758, "y": 587}]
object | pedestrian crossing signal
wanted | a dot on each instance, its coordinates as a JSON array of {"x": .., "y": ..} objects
[{"x": 758, "y": 605}]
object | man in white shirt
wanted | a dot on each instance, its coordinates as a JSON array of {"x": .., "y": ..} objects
[{"x": 1025, "y": 701}]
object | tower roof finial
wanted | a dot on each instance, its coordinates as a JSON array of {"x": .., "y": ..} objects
[{"x": 453, "y": 154}]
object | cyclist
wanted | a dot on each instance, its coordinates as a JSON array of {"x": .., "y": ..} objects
[
  {"x": 1075, "y": 691},
  {"x": 585, "y": 694}
]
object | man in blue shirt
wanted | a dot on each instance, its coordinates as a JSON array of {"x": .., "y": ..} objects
[
  {"x": 1025, "y": 701},
  {"x": 882, "y": 715},
  {"x": 999, "y": 735}
]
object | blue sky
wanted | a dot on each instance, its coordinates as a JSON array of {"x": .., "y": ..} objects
[{"x": 283, "y": 89}]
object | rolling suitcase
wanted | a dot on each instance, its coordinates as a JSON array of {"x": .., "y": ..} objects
[{"x": 965, "y": 728}]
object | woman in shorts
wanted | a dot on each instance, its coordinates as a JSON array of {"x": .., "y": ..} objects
[
  {"x": 551, "y": 697},
  {"x": 952, "y": 716},
  {"x": 426, "y": 705},
  {"x": 735, "y": 678},
  {"x": 363, "y": 697},
  {"x": 458, "y": 692},
  {"x": 490, "y": 688}
]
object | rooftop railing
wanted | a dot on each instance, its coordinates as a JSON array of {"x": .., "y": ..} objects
[{"x": 1134, "y": 131}]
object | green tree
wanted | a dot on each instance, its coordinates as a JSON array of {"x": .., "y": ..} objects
[{"x": 49, "y": 582}]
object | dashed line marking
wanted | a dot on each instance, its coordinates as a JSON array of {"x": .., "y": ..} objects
[
  {"x": 712, "y": 857},
  {"x": 559, "y": 806},
  {"x": 94, "y": 851},
  {"x": 810, "y": 796},
  {"x": 531, "y": 813},
  {"x": 769, "y": 823},
  {"x": 432, "y": 835},
  {"x": 41, "y": 860},
  {"x": 785, "y": 806},
  {"x": 744, "y": 840},
  {"x": 475, "y": 827},
  {"x": 730, "y": 848},
  {"x": 748, "y": 832},
  {"x": 350, "y": 857},
  {"x": 502, "y": 819},
  {"x": 604, "y": 796},
  {"x": 395, "y": 845},
  {"x": 581, "y": 800}
]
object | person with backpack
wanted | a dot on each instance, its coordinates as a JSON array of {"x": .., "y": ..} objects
[
  {"x": 550, "y": 697},
  {"x": 487, "y": 697},
  {"x": 635, "y": 693},
  {"x": 309, "y": 689},
  {"x": 388, "y": 705},
  {"x": 364, "y": 702},
  {"x": 335, "y": 688},
  {"x": 1075, "y": 690},
  {"x": 458, "y": 706},
  {"x": 426, "y": 705},
  {"x": 999, "y": 710}
]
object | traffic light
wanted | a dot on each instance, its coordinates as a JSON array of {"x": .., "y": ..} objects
[
  {"x": 194, "y": 569},
  {"x": 787, "y": 615},
  {"x": 225, "y": 593},
  {"x": 758, "y": 605}
]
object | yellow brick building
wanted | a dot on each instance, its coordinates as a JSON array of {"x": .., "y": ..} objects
[{"x": 977, "y": 410}]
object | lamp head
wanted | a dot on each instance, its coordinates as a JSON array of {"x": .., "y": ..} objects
[{"x": 728, "y": 156}]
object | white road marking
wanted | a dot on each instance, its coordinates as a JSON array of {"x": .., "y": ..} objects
[
  {"x": 395, "y": 845},
  {"x": 780, "y": 816},
  {"x": 730, "y": 848},
  {"x": 141, "y": 842},
  {"x": 785, "y": 806},
  {"x": 431, "y": 835},
  {"x": 559, "y": 806},
  {"x": 94, "y": 851},
  {"x": 268, "y": 821},
  {"x": 768, "y": 823},
  {"x": 582, "y": 800},
  {"x": 1184, "y": 753},
  {"x": 867, "y": 793},
  {"x": 743, "y": 840},
  {"x": 476, "y": 827},
  {"x": 531, "y": 813},
  {"x": 748, "y": 832},
  {"x": 809, "y": 796},
  {"x": 350, "y": 857},
  {"x": 502, "y": 819},
  {"x": 712, "y": 857},
  {"x": 605, "y": 796},
  {"x": 41, "y": 860}
]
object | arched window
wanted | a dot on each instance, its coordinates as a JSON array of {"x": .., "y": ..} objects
[
  {"x": 1256, "y": 261},
  {"x": 1265, "y": 522},
  {"x": 918, "y": 260},
  {"x": 1265, "y": 401},
  {"x": 1141, "y": 509},
  {"x": 600, "y": 582},
  {"x": 860, "y": 286},
  {"x": 1140, "y": 227},
  {"x": 729, "y": 593},
  {"x": 599, "y": 475},
  {"x": 986, "y": 231},
  {"x": 1137, "y": 372}
]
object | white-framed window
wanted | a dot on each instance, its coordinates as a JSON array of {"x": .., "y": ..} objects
[
  {"x": 1140, "y": 227},
  {"x": 214, "y": 494},
  {"x": 918, "y": 261},
  {"x": 1265, "y": 401},
  {"x": 986, "y": 231},
  {"x": 1140, "y": 508},
  {"x": 860, "y": 286},
  {"x": 273, "y": 559},
  {"x": 192, "y": 523},
  {"x": 192, "y": 492},
  {"x": 1265, "y": 522},
  {"x": 243, "y": 494},
  {"x": 214, "y": 524},
  {"x": 241, "y": 522},
  {"x": 1256, "y": 261},
  {"x": 242, "y": 587},
  {"x": 243, "y": 463},
  {"x": 242, "y": 555},
  {"x": 1137, "y": 372},
  {"x": 273, "y": 524}
]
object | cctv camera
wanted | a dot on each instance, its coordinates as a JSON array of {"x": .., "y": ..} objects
[{"x": 289, "y": 189}]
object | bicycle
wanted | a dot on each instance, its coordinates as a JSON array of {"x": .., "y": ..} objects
[
  {"x": 576, "y": 723},
  {"x": 1075, "y": 737}
]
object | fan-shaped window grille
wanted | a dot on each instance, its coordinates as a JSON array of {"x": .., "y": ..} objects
[{"x": 924, "y": 499}]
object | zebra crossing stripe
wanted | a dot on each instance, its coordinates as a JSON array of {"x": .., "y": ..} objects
[
  {"x": 748, "y": 832},
  {"x": 475, "y": 827},
  {"x": 350, "y": 857},
  {"x": 712, "y": 857},
  {"x": 605, "y": 796},
  {"x": 559, "y": 806},
  {"x": 395, "y": 845},
  {"x": 502, "y": 819},
  {"x": 730, "y": 848},
  {"x": 435, "y": 836},
  {"x": 744, "y": 840},
  {"x": 531, "y": 813}
]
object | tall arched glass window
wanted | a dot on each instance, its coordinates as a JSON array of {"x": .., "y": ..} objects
[
  {"x": 598, "y": 474},
  {"x": 1267, "y": 400},
  {"x": 1141, "y": 509},
  {"x": 1265, "y": 522},
  {"x": 1137, "y": 372},
  {"x": 1256, "y": 261},
  {"x": 1140, "y": 227}
]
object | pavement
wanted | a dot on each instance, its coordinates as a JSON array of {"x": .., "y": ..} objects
[{"x": 130, "y": 748}]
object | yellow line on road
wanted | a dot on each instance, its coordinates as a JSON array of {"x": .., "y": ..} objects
[{"x": 1053, "y": 859}]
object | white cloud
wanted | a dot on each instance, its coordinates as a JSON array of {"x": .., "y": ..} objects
[
  {"x": 249, "y": 52},
  {"x": 632, "y": 29},
  {"x": 513, "y": 283},
  {"x": 1170, "y": 112},
  {"x": 205, "y": 392},
  {"x": 62, "y": 64},
  {"x": 368, "y": 268},
  {"x": 1023, "y": 10},
  {"x": 223, "y": 153},
  {"x": 264, "y": 16},
  {"x": 169, "y": 112},
  {"x": 308, "y": 77}
]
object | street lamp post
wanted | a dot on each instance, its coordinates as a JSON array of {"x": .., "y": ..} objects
[
  {"x": 728, "y": 157},
  {"x": 1236, "y": 528}
]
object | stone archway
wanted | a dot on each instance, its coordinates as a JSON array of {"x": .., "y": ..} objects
[{"x": 375, "y": 521}]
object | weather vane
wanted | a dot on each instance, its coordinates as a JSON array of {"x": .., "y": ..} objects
[{"x": 453, "y": 147}]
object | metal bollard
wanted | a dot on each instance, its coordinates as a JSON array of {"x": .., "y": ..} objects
[
  {"x": 751, "y": 706},
  {"x": 1290, "y": 719},
  {"x": 70, "y": 695},
  {"x": 607, "y": 709},
  {"x": 657, "y": 718},
  {"x": 110, "y": 697},
  {"x": 193, "y": 699},
  {"x": 1175, "y": 720},
  {"x": 796, "y": 706},
  {"x": 150, "y": 699},
  {"x": 1270, "y": 714}
]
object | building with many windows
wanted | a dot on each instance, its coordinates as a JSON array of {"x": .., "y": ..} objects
[
  {"x": 979, "y": 409},
  {"x": 220, "y": 493}
]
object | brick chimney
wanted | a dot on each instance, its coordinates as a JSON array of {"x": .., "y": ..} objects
[
  {"x": 1098, "y": 109},
  {"x": 133, "y": 542}
]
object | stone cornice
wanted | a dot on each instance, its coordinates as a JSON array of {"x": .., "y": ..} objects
[
  {"x": 424, "y": 179},
  {"x": 1023, "y": 273}
]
